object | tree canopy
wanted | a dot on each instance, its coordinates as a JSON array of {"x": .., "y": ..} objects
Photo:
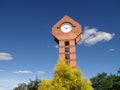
[
  {"x": 106, "y": 82},
  {"x": 32, "y": 85},
  {"x": 66, "y": 78}
]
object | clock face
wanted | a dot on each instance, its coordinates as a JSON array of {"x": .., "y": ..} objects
[{"x": 66, "y": 27}]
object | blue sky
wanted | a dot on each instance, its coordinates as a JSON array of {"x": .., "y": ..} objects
[{"x": 27, "y": 48}]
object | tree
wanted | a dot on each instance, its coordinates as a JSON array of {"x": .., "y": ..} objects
[
  {"x": 22, "y": 86},
  {"x": 106, "y": 82},
  {"x": 32, "y": 85},
  {"x": 100, "y": 82},
  {"x": 115, "y": 82},
  {"x": 118, "y": 72},
  {"x": 66, "y": 78}
]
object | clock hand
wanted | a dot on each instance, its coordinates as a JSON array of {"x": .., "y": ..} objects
[{"x": 66, "y": 28}]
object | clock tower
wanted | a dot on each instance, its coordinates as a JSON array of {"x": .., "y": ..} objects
[{"x": 67, "y": 33}]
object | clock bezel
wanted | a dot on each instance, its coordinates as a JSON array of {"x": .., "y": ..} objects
[{"x": 66, "y": 30}]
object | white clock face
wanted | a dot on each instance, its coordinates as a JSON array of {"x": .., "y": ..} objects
[{"x": 66, "y": 27}]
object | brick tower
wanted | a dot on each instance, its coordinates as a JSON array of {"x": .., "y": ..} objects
[{"x": 67, "y": 33}]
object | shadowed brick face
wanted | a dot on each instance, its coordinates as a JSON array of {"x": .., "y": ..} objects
[{"x": 67, "y": 41}]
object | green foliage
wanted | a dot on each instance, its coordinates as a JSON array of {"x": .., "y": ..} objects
[
  {"x": 106, "y": 82},
  {"x": 66, "y": 78},
  {"x": 22, "y": 86},
  {"x": 32, "y": 85}
]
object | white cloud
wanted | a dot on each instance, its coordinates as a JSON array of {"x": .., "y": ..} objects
[
  {"x": 23, "y": 72},
  {"x": 110, "y": 50},
  {"x": 40, "y": 72},
  {"x": 56, "y": 46},
  {"x": 92, "y": 36},
  {"x": 5, "y": 56}
]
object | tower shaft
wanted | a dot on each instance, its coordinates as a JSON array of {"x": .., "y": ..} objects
[{"x": 67, "y": 52}]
